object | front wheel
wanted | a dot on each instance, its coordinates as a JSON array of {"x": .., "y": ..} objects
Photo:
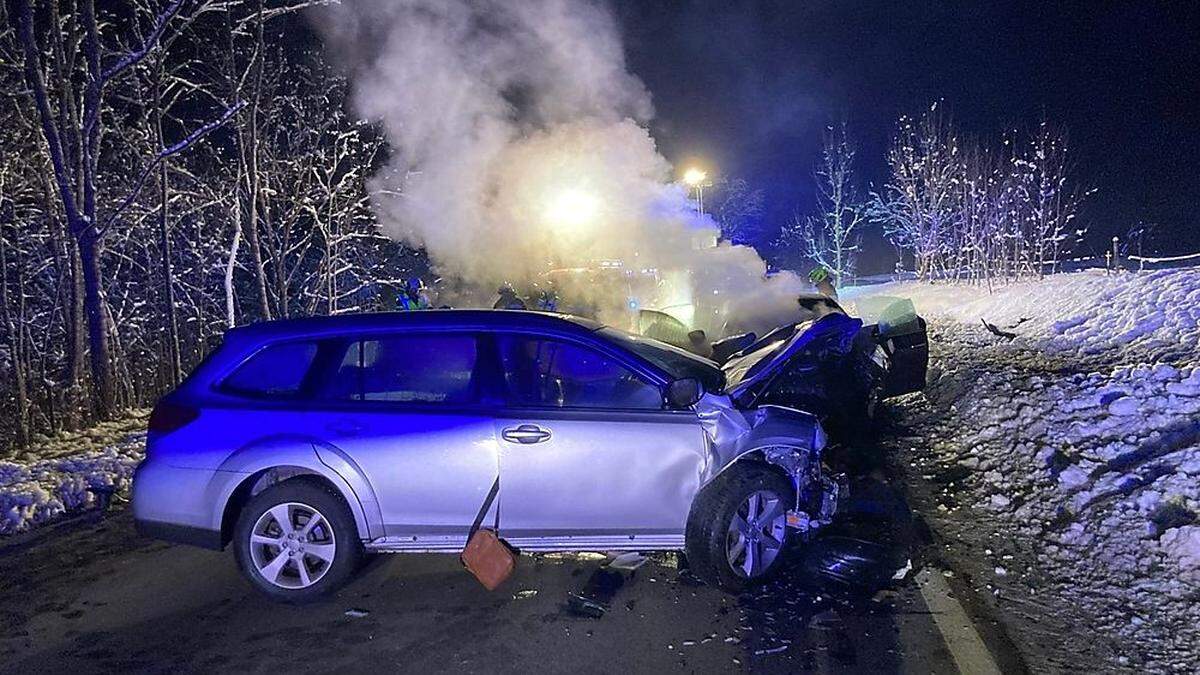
[
  {"x": 297, "y": 541},
  {"x": 737, "y": 530}
]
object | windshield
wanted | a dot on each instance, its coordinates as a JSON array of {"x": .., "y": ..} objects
[{"x": 675, "y": 361}]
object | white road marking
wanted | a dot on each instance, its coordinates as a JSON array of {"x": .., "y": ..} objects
[{"x": 970, "y": 654}]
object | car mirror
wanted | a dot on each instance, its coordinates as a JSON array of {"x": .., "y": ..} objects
[{"x": 684, "y": 393}]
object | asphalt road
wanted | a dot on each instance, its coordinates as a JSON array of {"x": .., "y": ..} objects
[{"x": 92, "y": 596}]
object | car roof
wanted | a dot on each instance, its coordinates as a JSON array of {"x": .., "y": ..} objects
[{"x": 325, "y": 326}]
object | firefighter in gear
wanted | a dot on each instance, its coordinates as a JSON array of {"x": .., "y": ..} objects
[
  {"x": 509, "y": 299},
  {"x": 415, "y": 295},
  {"x": 823, "y": 280},
  {"x": 547, "y": 300}
]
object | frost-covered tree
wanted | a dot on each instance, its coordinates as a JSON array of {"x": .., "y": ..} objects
[
  {"x": 917, "y": 205},
  {"x": 169, "y": 229},
  {"x": 738, "y": 209},
  {"x": 831, "y": 238},
  {"x": 967, "y": 211},
  {"x": 70, "y": 83}
]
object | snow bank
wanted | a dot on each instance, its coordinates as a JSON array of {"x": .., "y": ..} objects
[
  {"x": 34, "y": 491},
  {"x": 1079, "y": 441},
  {"x": 1085, "y": 313}
]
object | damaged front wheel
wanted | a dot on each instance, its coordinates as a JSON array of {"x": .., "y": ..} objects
[{"x": 737, "y": 530}]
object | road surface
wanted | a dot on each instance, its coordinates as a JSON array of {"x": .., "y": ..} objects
[{"x": 91, "y": 595}]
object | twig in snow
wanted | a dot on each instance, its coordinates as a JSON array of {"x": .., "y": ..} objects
[{"x": 996, "y": 331}]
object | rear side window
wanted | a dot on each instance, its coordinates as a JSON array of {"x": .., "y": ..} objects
[
  {"x": 277, "y": 371},
  {"x": 408, "y": 368}
]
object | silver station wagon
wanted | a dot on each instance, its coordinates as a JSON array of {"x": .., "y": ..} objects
[{"x": 307, "y": 443}]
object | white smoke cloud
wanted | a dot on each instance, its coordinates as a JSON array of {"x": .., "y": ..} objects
[{"x": 519, "y": 145}]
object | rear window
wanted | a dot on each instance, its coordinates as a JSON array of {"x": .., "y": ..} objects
[{"x": 276, "y": 371}]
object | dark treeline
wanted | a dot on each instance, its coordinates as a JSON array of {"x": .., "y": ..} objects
[{"x": 169, "y": 169}]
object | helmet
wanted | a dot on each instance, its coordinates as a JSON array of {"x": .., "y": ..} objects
[
  {"x": 414, "y": 284},
  {"x": 818, "y": 274}
]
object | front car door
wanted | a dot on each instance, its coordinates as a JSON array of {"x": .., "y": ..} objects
[{"x": 589, "y": 455}]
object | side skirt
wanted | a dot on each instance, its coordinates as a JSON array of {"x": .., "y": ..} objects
[{"x": 455, "y": 544}]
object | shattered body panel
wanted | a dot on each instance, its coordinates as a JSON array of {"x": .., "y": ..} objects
[
  {"x": 790, "y": 439},
  {"x": 832, "y": 366}
]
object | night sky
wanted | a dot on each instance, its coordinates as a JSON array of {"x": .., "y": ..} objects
[{"x": 748, "y": 86}]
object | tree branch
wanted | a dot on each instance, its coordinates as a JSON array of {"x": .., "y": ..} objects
[
  {"x": 162, "y": 155},
  {"x": 136, "y": 56},
  {"x": 33, "y": 75}
]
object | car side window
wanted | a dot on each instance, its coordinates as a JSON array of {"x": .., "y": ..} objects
[
  {"x": 276, "y": 371},
  {"x": 542, "y": 372},
  {"x": 407, "y": 368}
]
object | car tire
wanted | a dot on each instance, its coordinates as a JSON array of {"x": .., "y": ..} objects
[
  {"x": 302, "y": 560},
  {"x": 724, "y": 532}
]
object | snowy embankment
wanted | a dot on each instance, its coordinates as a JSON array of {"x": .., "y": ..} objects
[
  {"x": 67, "y": 473},
  {"x": 1076, "y": 442}
]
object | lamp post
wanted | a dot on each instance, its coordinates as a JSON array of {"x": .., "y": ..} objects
[{"x": 698, "y": 180}]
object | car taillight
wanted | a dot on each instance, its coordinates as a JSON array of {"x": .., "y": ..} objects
[{"x": 171, "y": 416}]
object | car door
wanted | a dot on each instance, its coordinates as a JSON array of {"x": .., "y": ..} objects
[
  {"x": 589, "y": 455},
  {"x": 407, "y": 410}
]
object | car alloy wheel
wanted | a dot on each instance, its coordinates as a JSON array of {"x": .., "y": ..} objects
[
  {"x": 292, "y": 545},
  {"x": 756, "y": 534}
]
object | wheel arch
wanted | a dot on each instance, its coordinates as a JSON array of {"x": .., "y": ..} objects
[{"x": 250, "y": 470}]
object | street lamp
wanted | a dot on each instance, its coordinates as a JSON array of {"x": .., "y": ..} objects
[{"x": 698, "y": 180}]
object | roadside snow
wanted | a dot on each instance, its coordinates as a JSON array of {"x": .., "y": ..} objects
[
  {"x": 59, "y": 475},
  {"x": 1082, "y": 313},
  {"x": 1079, "y": 439}
]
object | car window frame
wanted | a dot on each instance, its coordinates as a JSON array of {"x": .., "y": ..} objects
[
  {"x": 487, "y": 389},
  {"x": 304, "y": 392},
  {"x": 602, "y": 347}
]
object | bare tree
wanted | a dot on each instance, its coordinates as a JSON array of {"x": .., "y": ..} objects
[
  {"x": 831, "y": 239},
  {"x": 738, "y": 209},
  {"x": 71, "y": 111},
  {"x": 967, "y": 211}
]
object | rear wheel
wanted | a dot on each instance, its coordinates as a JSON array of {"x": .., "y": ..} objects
[
  {"x": 737, "y": 530},
  {"x": 297, "y": 541}
]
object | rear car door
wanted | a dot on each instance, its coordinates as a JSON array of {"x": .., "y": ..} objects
[
  {"x": 589, "y": 455},
  {"x": 408, "y": 409}
]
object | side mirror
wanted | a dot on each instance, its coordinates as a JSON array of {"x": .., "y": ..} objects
[{"x": 684, "y": 393}]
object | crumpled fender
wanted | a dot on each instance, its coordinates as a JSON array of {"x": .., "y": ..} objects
[{"x": 734, "y": 433}]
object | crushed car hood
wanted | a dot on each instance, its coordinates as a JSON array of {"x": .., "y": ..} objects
[{"x": 761, "y": 361}]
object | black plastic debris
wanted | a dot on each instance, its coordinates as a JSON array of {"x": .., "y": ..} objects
[
  {"x": 597, "y": 594},
  {"x": 851, "y": 563},
  {"x": 586, "y": 607}
]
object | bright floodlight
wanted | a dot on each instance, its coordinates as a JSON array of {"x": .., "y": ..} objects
[
  {"x": 694, "y": 176},
  {"x": 572, "y": 208}
]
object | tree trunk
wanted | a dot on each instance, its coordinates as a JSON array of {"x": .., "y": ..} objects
[
  {"x": 164, "y": 234},
  {"x": 99, "y": 349},
  {"x": 254, "y": 186}
]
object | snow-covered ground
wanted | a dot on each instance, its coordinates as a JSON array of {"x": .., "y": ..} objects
[
  {"x": 60, "y": 475},
  {"x": 1074, "y": 447}
]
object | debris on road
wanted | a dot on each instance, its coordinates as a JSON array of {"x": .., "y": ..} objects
[
  {"x": 627, "y": 562},
  {"x": 356, "y": 613},
  {"x": 586, "y": 607},
  {"x": 525, "y": 594}
]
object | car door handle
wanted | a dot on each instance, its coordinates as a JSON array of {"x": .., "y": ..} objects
[
  {"x": 345, "y": 428},
  {"x": 526, "y": 433}
]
